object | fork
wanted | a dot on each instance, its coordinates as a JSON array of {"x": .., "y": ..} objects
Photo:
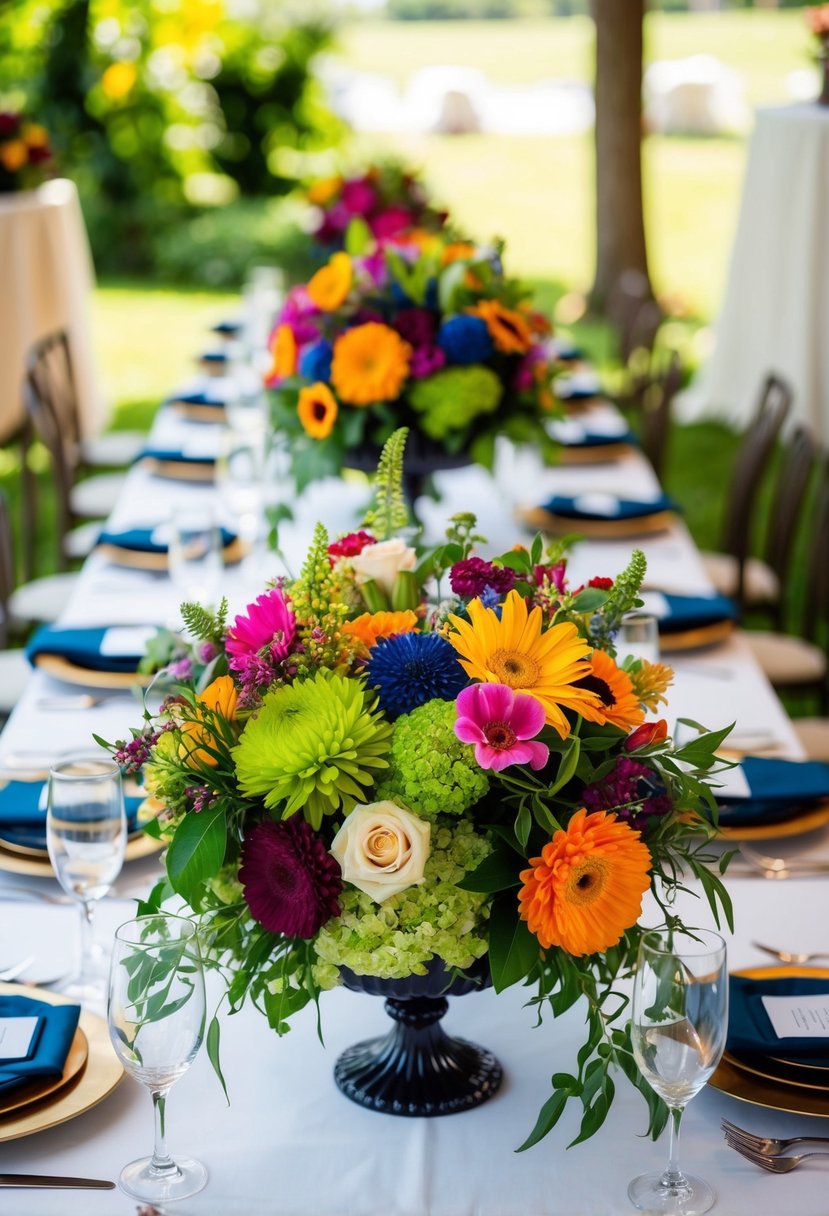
[
  {"x": 789, "y": 956},
  {"x": 767, "y": 1144},
  {"x": 775, "y": 1165}
]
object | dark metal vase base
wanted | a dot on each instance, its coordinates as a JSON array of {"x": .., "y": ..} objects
[{"x": 417, "y": 1069}]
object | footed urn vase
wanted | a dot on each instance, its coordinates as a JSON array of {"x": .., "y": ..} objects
[{"x": 417, "y": 1069}]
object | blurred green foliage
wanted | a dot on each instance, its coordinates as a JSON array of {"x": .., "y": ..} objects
[{"x": 163, "y": 109}]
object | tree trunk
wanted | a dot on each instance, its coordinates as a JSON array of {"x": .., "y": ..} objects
[{"x": 620, "y": 226}]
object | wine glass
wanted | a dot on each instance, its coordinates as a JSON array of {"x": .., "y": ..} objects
[
  {"x": 195, "y": 554},
  {"x": 678, "y": 1027},
  {"x": 156, "y": 1017},
  {"x": 86, "y": 834},
  {"x": 639, "y": 636}
]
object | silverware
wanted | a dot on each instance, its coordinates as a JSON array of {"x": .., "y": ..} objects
[
  {"x": 11, "y": 973},
  {"x": 789, "y": 956},
  {"x": 54, "y": 1180},
  {"x": 767, "y": 1144},
  {"x": 783, "y": 867},
  {"x": 775, "y": 1165},
  {"x": 82, "y": 700}
]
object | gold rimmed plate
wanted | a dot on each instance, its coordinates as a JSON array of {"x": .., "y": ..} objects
[
  {"x": 744, "y": 1082},
  {"x": 96, "y": 1079},
  {"x": 594, "y": 453},
  {"x": 711, "y": 634},
  {"x": 194, "y": 412},
  {"x": 13, "y": 862},
  {"x": 802, "y": 819},
  {"x": 138, "y": 559},
  {"x": 599, "y": 529},
  {"x": 71, "y": 673},
  {"x": 181, "y": 470},
  {"x": 36, "y": 1091}
]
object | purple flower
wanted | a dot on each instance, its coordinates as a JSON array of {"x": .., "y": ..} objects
[
  {"x": 473, "y": 576},
  {"x": 358, "y": 197},
  {"x": 425, "y": 361},
  {"x": 207, "y": 651},
  {"x": 374, "y": 265},
  {"x": 416, "y": 325},
  {"x": 501, "y": 724},
  {"x": 291, "y": 882},
  {"x": 631, "y": 789},
  {"x": 180, "y": 669}
]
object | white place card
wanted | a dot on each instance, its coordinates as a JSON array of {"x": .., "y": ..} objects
[
  {"x": 17, "y": 1036},
  {"x": 799, "y": 1017},
  {"x": 596, "y": 503},
  {"x": 126, "y": 640},
  {"x": 655, "y": 604}
]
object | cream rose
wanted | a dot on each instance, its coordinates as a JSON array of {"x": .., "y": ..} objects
[
  {"x": 382, "y": 849},
  {"x": 383, "y": 562}
]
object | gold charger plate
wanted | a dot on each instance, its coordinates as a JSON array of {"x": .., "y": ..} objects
[
  {"x": 134, "y": 559},
  {"x": 815, "y": 816},
  {"x": 692, "y": 639},
  {"x": 180, "y": 470},
  {"x": 732, "y": 1077},
  {"x": 594, "y": 453},
  {"x": 100, "y": 1075},
  {"x": 34, "y": 1091},
  {"x": 194, "y": 412},
  {"x": 40, "y": 867},
  {"x": 643, "y": 525},
  {"x": 63, "y": 669}
]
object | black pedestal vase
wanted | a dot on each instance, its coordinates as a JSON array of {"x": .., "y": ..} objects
[
  {"x": 422, "y": 458},
  {"x": 417, "y": 1069}
]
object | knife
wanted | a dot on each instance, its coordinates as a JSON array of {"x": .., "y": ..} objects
[{"x": 45, "y": 1180}]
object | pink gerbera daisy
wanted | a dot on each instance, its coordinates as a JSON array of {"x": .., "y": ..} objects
[
  {"x": 267, "y": 625},
  {"x": 501, "y": 724}
]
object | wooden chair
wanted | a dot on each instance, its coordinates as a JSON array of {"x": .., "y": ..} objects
[
  {"x": 800, "y": 664},
  {"x": 766, "y": 579},
  {"x": 630, "y": 293},
  {"x": 657, "y": 396},
  {"x": 727, "y": 569},
  {"x": 14, "y": 669}
]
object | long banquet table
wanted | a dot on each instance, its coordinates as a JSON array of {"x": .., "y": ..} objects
[{"x": 290, "y": 1144}]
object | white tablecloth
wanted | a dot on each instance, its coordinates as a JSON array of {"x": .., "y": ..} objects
[
  {"x": 775, "y": 314},
  {"x": 290, "y": 1144},
  {"x": 46, "y": 278}
]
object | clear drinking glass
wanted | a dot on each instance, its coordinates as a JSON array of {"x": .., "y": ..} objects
[
  {"x": 240, "y": 485},
  {"x": 86, "y": 834},
  {"x": 679, "y": 1021},
  {"x": 195, "y": 554},
  {"x": 156, "y": 1018},
  {"x": 639, "y": 637}
]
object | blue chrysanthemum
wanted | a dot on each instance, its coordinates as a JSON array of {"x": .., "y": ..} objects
[
  {"x": 465, "y": 340},
  {"x": 315, "y": 362},
  {"x": 412, "y": 668}
]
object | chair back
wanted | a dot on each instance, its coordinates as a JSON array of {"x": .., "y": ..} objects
[
  {"x": 787, "y": 502},
  {"x": 48, "y": 398},
  {"x": 816, "y": 608},
  {"x": 49, "y": 370},
  {"x": 6, "y": 569},
  {"x": 629, "y": 293},
  {"x": 751, "y": 462},
  {"x": 657, "y": 399}
]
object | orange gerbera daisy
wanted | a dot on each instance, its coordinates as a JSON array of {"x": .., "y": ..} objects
[
  {"x": 551, "y": 665},
  {"x": 323, "y": 190},
  {"x": 457, "y": 251},
  {"x": 284, "y": 354},
  {"x": 317, "y": 410},
  {"x": 618, "y": 702},
  {"x": 507, "y": 328},
  {"x": 586, "y": 888},
  {"x": 219, "y": 697},
  {"x": 371, "y": 363},
  {"x": 329, "y": 287},
  {"x": 372, "y": 626}
]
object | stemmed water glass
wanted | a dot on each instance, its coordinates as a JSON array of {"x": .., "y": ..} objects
[
  {"x": 86, "y": 834},
  {"x": 678, "y": 1028},
  {"x": 156, "y": 1018}
]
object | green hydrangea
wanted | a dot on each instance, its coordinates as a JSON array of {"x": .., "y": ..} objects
[
  {"x": 399, "y": 937},
  {"x": 453, "y": 398},
  {"x": 430, "y": 771},
  {"x": 226, "y": 886}
]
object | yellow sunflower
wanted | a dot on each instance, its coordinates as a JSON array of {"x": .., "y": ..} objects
[
  {"x": 317, "y": 410},
  {"x": 618, "y": 702},
  {"x": 329, "y": 287},
  {"x": 515, "y": 651},
  {"x": 371, "y": 363},
  {"x": 507, "y": 328},
  {"x": 283, "y": 353},
  {"x": 586, "y": 888}
]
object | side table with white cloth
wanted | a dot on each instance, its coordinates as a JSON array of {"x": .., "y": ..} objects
[
  {"x": 46, "y": 280},
  {"x": 776, "y": 304},
  {"x": 290, "y": 1144}
]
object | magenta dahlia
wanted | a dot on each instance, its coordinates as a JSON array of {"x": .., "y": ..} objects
[
  {"x": 268, "y": 630},
  {"x": 291, "y": 882},
  {"x": 473, "y": 576}
]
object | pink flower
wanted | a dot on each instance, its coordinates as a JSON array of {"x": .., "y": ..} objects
[
  {"x": 501, "y": 724},
  {"x": 351, "y": 545},
  {"x": 359, "y": 197},
  {"x": 388, "y": 223},
  {"x": 425, "y": 361},
  {"x": 269, "y": 626}
]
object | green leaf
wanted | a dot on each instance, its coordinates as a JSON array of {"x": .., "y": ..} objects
[
  {"x": 357, "y": 237},
  {"x": 497, "y": 872},
  {"x": 523, "y": 825},
  {"x": 196, "y": 852},
  {"x": 589, "y": 600},
  {"x": 212, "y": 1045},
  {"x": 567, "y": 765},
  {"x": 513, "y": 950},
  {"x": 596, "y": 1114},
  {"x": 548, "y": 1117}
]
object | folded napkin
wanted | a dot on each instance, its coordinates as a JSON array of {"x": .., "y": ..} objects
[
  {"x": 214, "y": 356},
  {"x": 23, "y": 811},
  {"x": 227, "y": 328},
  {"x": 750, "y": 1031},
  {"x": 91, "y": 647},
  {"x": 176, "y": 454},
  {"x": 198, "y": 398},
  {"x": 592, "y": 439},
  {"x": 606, "y": 506},
  {"x": 695, "y": 611},
  {"x": 54, "y": 1038},
  {"x": 566, "y": 351},
  {"x": 149, "y": 540},
  {"x": 577, "y": 387},
  {"x": 780, "y": 788}
]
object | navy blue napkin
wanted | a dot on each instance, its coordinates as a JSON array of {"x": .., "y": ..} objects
[
  {"x": 21, "y": 812},
  {"x": 567, "y": 507},
  {"x": 214, "y": 356},
  {"x": 140, "y": 540},
  {"x": 696, "y": 611},
  {"x": 567, "y": 392},
  {"x": 79, "y": 646},
  {"x": 227, "y": 329},
  {"x": 592, "y": 440},
  {"x": 177, "y": 455},
  {"x": 781, "y": 789},
  {"x": 198, "y": 398},
  {"x": 565, "y": 351},
  {"x": 750, "y": 1031},
  {"x": 55, "y": 1035}
]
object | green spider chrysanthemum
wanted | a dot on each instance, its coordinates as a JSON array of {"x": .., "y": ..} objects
[{"x": 314, "y": 746}]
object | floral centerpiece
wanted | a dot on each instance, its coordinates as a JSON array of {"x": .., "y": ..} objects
[
  {"x": 25, "y": 153},
  {"x": 403, "y": 769},
  {"x": 385, "y": 202},
  {"x": 818, "y": 21},
  {"x": 432, "y": 336}
]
